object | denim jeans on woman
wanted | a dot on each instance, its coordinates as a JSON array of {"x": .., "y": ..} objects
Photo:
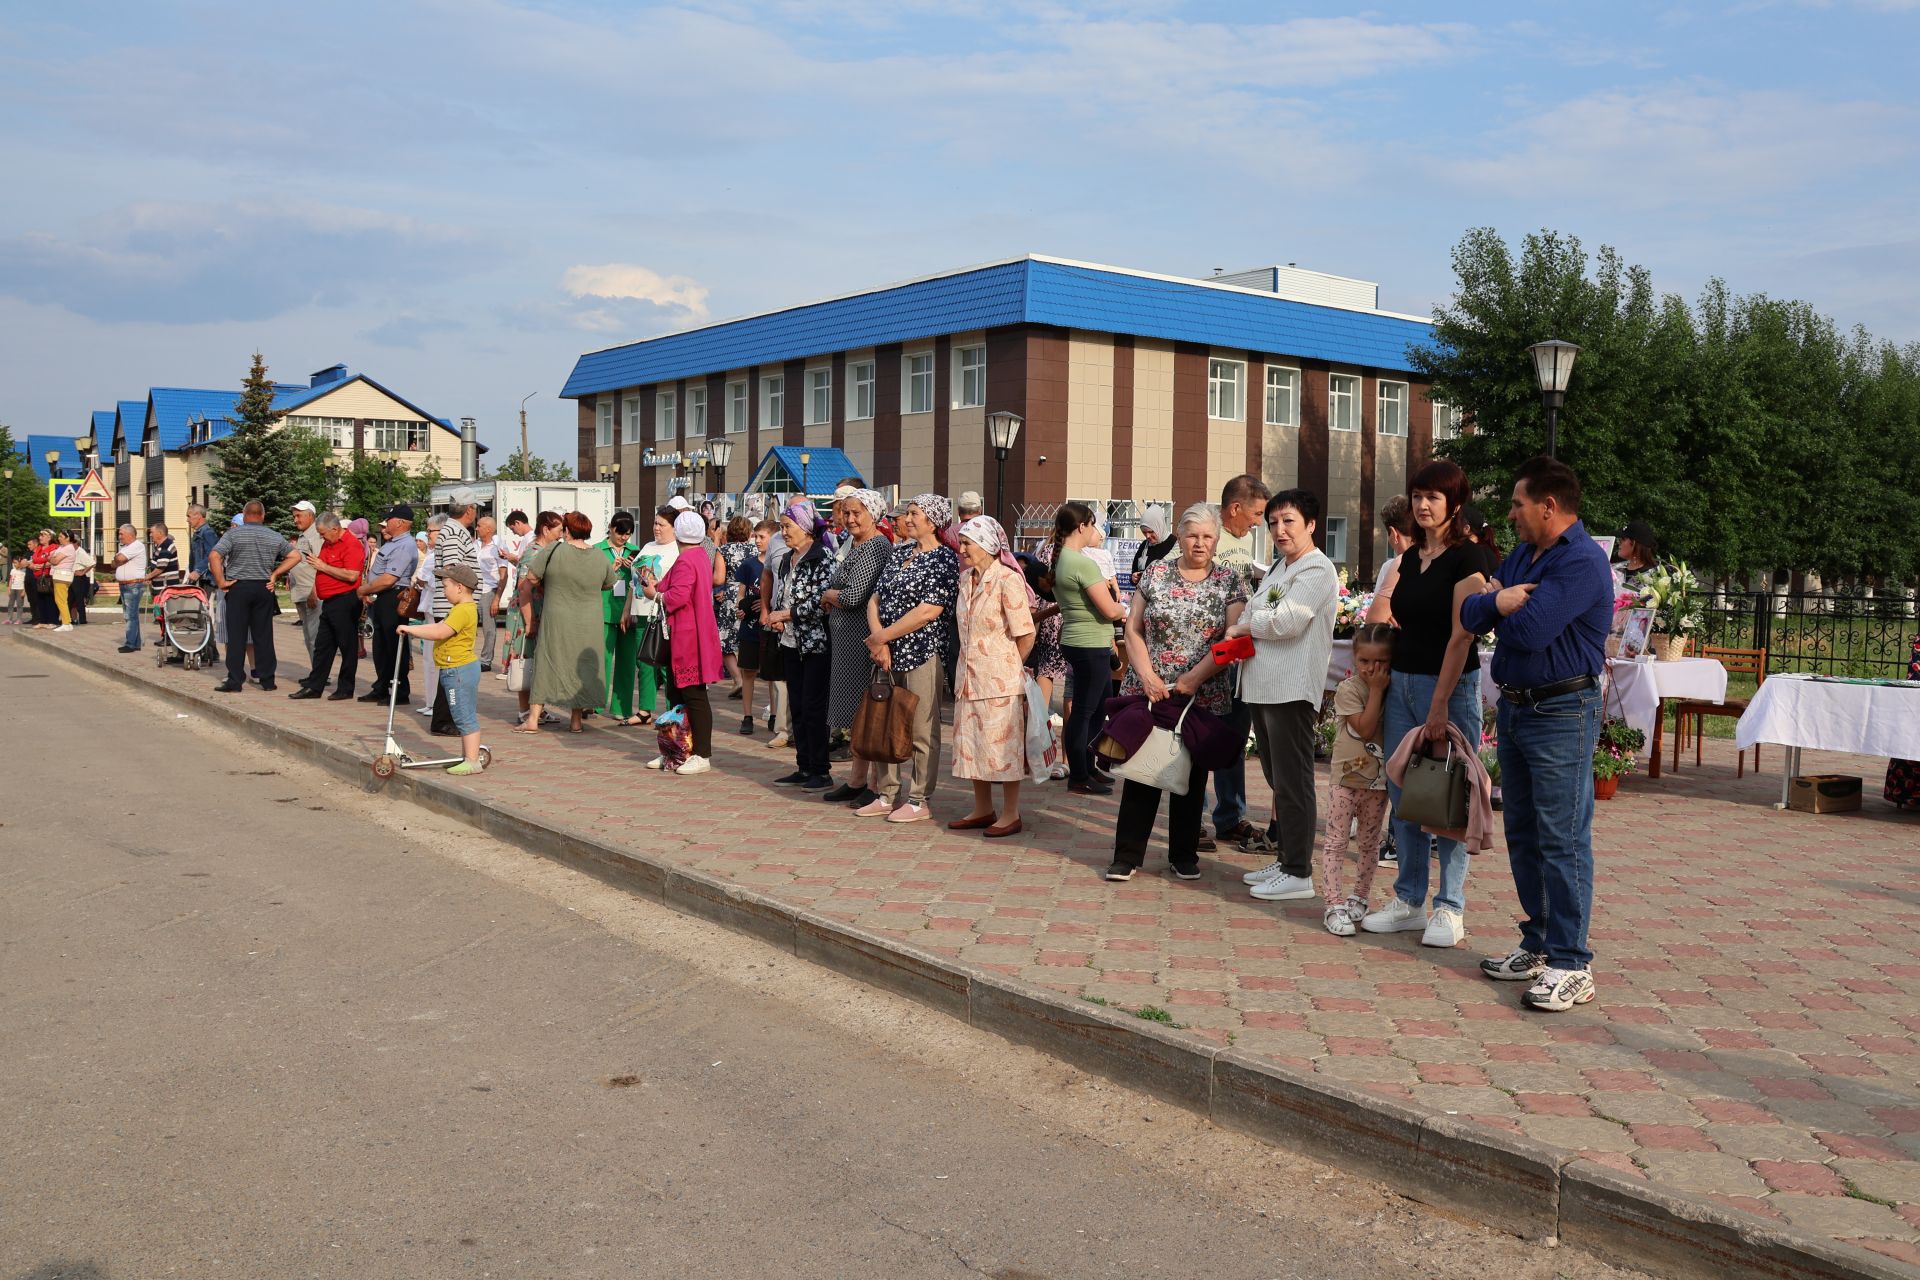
[
  {"x": 1546, "y": 785},
  {"x": 1408, "y": 698}
]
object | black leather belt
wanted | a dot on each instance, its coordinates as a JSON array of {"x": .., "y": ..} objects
[{"x": 1541, "y": 692}]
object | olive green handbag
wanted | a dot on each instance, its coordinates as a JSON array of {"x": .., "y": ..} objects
[{"x": 1433, "y": 794}]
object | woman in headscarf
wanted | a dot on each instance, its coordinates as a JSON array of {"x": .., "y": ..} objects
[
  {"x": 989, "y": 698},
  {"x": 854, "y": 576},
  {"x": 656, "y": 558},
  {"x": 799, "y": 618},
  {"x": 906, "y": 638},
  {"x": 693, "y": 644}
]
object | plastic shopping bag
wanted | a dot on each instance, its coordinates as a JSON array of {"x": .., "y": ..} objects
[{"x": 1039, "y": 734}]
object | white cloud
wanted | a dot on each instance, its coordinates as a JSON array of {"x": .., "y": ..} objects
[{"x": 642, "y": 284}]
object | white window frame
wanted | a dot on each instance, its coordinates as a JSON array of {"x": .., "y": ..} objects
[
  {"x": 970, "y": 377},
  {"x": 398, "y": 436},
  {"x": 1446, "y": 421},
  {"x": 665, "y": 405},
  {"x": 696, "y": 413},
  {"x": 916, "y": 373},
  {"x": 736, "y": 406},
  {"x": 1343, "y": 388},
  {"x": 773, "y": 401},
  {"x": 603, "y": 424},
  {"x": 1289, "y": 382},
  {"x": 630, "y": 421},
  {"x": 1402, "y": 394},
  {"x": 1226, "y": 390},
  {"x": 819, "y": 405},
  {"x": 1333, "y": 537},
  {"x": 337, "y": 432},
  {"x": 862, "y": 381}
]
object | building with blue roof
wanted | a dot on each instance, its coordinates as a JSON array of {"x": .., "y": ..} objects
[
  {"x": 1130, "y": 385},
  {"x": 66, "y": 463}
]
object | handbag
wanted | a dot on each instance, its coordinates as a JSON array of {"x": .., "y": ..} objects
[
  {"x": 1162, "y": 761},
  {"x": 1434, "y": 792},
  {"x": 407, "y": 603},
  {"x": 517, "y": 670},
  {"x": 654, "y": 650},
  {"x": 883, "y": 724}
]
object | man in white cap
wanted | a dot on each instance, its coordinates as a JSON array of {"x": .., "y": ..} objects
[
  {"x": 968, "y": 505},
  {"x": 300, "y": 582}
]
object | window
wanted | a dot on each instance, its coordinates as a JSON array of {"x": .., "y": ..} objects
[
  {"x": 1446, "y": 420},
  {"x": 736, "y": 406},
  {"x": 603, "y": 428},
  {"x": 630, "y": 420},
  {"x": 1393, "y": 409},
  {"x": 773, "y": 401},
  {"x": 411, "y": 437},
  {"x": 970, "y": 377},
  {"x": 1226, "y": 389},
  {"x": 1343, "y": 398},
  {"x": 819, "y": 396},
  {"x": 919, "y": 384},
  {"x": 860, "y": 390},
  {"x": 697, "y": 413},
  {"x": 1336, "y": 536},
  {"x": 664, "y": 427},
  {"x": 337, "y": 432},
  {"x": 1283, "y": 397}
]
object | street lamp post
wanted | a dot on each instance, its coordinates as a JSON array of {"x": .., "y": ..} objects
[
  {"x": 1003, "y": 428},
  {"x": 87, "y": 448},
  {"x": 806, "y": 489},
  {"x": 525, "y": 474},
  {"x": 1553, "y": 365},
  {"x": 720, "y": 449}
]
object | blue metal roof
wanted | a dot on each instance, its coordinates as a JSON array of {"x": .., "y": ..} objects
[
  {"x": 1030, "y": 290},
  {"x": 103, "y": 431},
  {"x": 129, "y": 422},
  {"x": 70, "y": 467},
  {"x": 828, "y": 466},
  {"x": 176, "y": 408},
  {"x": 214, "y": 406}
]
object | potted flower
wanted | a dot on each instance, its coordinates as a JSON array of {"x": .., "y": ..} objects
[
  {"x": 1615, "y": 754},
  {"x": 1669, "y": 592},
  {"x": 1490, "y": 760}
]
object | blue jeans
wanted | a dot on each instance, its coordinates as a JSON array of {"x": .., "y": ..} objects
[
  {"x": 1230, "y": 780},
  {"x": 1546, "y": 782},
  {"x": 130, "y": 593},
  {"x": 462, "y": 684},
  {"x": 1408, "y": 698}
]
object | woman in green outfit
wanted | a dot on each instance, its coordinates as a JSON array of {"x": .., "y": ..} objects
[
  {"x": 571, "y": 670},
  {"x": 622, "y": 639}
]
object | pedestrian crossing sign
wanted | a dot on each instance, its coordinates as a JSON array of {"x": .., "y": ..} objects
[{"x": 63, "y": 498}]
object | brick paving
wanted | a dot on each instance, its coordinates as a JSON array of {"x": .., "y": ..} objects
[{"x": 1756, "y": 1038}]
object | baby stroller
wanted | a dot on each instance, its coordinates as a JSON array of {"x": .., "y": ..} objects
[{"x": 186, "y": 625}]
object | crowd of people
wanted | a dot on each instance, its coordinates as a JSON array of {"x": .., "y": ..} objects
[{"x": 828, "y": 603}]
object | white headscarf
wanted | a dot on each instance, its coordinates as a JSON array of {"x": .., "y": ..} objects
[{"x": 689, "y": 528}]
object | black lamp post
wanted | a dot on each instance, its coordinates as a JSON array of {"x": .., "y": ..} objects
[
  {"x": 1553, "y": 365},
  {"x": 1003, "y": 428},
  {"x": 720, "y": 449},
  {"x": 806, "y": 489}
]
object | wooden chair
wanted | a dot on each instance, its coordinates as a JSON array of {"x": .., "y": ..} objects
[{"x": 1738, "y": 662}]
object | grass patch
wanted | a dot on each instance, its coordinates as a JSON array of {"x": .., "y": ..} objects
[
  {"x": 1868, "y": 1196},
  {"x": 1154, "y": 1013},
  {"x": 1099, "y": 1000}
]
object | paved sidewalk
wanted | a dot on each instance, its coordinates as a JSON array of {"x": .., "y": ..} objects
[{"x": 1756, "y": 1038}]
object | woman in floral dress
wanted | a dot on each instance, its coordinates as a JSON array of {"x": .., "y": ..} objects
[
  {"x": 727, "y": 590},
  {"x": 1181, "y": 606},
  {"x": 852, "y": 583},
  {"x": 907, "y": 637},
  {"x": 989, "y": 702},
  {"x": 800, "y": 619}
]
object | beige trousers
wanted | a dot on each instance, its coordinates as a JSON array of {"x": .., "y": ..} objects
[{"x": 924, "y": 682}]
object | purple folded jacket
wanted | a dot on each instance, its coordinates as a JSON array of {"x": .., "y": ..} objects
[{"x": 1131, "y": 718}]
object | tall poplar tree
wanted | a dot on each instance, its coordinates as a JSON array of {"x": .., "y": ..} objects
[{"x": 255, "y": 461}]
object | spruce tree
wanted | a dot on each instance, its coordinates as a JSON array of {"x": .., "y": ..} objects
[{"x": 255, "y": 460}]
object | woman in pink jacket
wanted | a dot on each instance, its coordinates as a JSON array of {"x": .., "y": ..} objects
[{"x": 693, "y": 636}]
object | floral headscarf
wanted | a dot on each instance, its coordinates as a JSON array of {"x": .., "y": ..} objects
[
  {"x": 940, "y": 512},
  {"x": 875, "y": 504},
  {"x": 801, "y": 511},
  {"x": 991, "y": 538}
]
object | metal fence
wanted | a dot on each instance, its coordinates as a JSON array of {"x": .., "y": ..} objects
[{"x": 1824, "y": 634}]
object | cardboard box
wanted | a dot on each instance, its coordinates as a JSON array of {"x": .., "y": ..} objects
[{"x": 1825, "y": 793}]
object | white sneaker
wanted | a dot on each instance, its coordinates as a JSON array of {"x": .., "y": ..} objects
[
  {"x": 1267, "y": 872},
  {"x": 1445, "y": 928},
  {"x": 658, "y": 763},
  {"x": 1283, "y": 888},
  {"x": 65, "y": 626},
  {"x": 1520, "y": 965},
  {"x": 1395, "y": 917},
  {"x": 1559, "y": 990},
  {"x": 1339, "y": 922},
  {"x": 696, "y": 764}
]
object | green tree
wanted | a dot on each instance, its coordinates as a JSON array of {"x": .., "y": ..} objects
[
  {"x": 370, "y": 484},
  {"x": 255, "y": 461},
  {"x": 23, "y": 499},
  {"x": 536, "y": 468},
  {"x": 310, "y": 466}
]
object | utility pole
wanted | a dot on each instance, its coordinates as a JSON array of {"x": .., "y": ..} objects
[{"x": 525, "y": 462}]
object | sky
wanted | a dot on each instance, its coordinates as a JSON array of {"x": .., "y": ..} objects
[{"x": 459, "y": 197}]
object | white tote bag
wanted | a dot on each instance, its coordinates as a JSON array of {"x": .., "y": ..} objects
[
  {"x": 1162, "y": 761},
  {"x": 1039, "y": 734}
]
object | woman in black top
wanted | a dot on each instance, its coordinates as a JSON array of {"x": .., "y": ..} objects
[
  {"x": 1484, "y": 542},
  {"x": 1435, "y": 679}
]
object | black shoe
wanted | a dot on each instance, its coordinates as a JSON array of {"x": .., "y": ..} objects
[
  {"x": 1188, "y": 871},
  {"x": 841, "y": 794},
  {"x": 302, "y": 694},
  {"x": 1101, "y": 775},
  {"x": 1121, "y": 871},
  {"x": 444, "y": 733},
  {"x": 254, "y": 674},
  {"x": 129, "y": 648},
  {"x": 793, "y": 779},
  {"x": 1206, "y": 843},
  {"x": 340, "y": 695},
  {"x": 1234, "y": 834},
  {"x": 841, "y": 754},
  {"x": 734, "y": 696},
  {"x": 486, "y": 666},
  {"x": 1090, "y": 788},
  {"x": 223, "y": 687},
  {"x": 1389, "y": 856},
  {"x": 864, "y": 797},
  {"x": 818, "y": 782},
  {"x": 746, "y": 726},
  {"x": 371, "y": 697},
  {"x": 269, "y": 687}
]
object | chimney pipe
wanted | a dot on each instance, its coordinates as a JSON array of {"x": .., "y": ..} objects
[{"x": 469, "y": 450}]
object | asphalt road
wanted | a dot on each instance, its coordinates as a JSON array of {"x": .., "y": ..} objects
[{"x": 256, "y": 1023}]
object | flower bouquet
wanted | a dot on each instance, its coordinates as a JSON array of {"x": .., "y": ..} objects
[
  {"x": 1350, "y": 609},
  {"x": 1670, "y": 592}
]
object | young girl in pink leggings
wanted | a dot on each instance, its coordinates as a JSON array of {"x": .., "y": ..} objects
[{"x": 1359, "y": 777}]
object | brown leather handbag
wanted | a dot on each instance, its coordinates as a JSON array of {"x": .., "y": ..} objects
[{"x": 883, "y": 726}]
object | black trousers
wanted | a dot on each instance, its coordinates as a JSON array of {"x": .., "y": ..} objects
[
  {"x": 250, "y": 613},
  {"x": 1285, "y": 734},
  {"x": 1091, "y": 670},
  {"x": 1140, "y": 805},
  {"x": 807, "y": 682},
  {"x": 699, "y": 712},
  {"x": 390, "y": 661},
  {"x": 339, "y": 633}
]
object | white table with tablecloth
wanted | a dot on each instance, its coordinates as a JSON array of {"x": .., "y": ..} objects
[
  {"x": 1636, "y": 690},
  {"x": 1340, "y": 666},
  {"x": 1800, "y": 711}
]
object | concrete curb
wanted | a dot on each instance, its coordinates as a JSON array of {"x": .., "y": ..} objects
[{"x": 1508, "y": 1182}]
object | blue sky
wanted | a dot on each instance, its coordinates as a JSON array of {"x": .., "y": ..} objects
[{"x": 460, "y": 196}]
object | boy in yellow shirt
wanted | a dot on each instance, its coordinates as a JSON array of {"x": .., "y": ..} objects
[{"x": 454, "y": 658}]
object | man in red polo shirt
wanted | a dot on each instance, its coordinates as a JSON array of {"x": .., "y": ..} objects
[{"x": 336, "y": 581}]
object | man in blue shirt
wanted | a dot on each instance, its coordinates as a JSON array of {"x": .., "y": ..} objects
[{"x": 1550, "y": 608}]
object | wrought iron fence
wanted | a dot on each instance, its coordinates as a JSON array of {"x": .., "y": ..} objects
[{"x": 1848, "y": 635}]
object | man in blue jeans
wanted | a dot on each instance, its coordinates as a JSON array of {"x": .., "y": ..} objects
[
  {"x": 1550, "y": 605},
  {"x": 1243, "y": 506},
  {"x": 130, "y": 574}
]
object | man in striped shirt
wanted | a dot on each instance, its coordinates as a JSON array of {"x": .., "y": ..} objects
[
  {"x": 163, "y": 558},
  {"x": 454, "y": 545}
]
